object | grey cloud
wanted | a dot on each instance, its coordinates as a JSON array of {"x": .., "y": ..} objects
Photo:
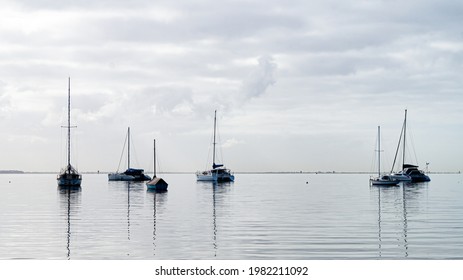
[{"x": 260, "y": 78}]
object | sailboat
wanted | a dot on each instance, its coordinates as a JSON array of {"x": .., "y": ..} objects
[
  {"x": 218, "y": 173},
  {"x": 384, "y": 180},
  {"x": 131, "y": 174},
  {"x": 157, "y": 183},
  {"x": 409, "y": 172},
  {"x": 69, "y": 176}
]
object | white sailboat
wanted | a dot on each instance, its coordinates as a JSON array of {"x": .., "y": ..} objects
[
  {"x": 218, "y": 173},
  {"x": 131, "y": 174},
  {"x": 382, "y": 180},
  {"x": 69, "y": 176},
  {"x": 157, "y": 184}
]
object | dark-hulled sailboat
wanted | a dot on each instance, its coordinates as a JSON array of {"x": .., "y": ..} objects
[
  {"x": 157, "y": 183},
  {"x": 69, "y": 176},
  {"x": 409, "y": 171}
]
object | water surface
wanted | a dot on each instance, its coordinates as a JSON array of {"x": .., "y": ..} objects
[{"x": 260, "y": 216}]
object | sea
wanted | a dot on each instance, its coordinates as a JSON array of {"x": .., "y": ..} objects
[{"x": 257, "y": 217}]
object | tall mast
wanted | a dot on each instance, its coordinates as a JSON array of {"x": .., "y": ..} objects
[
  {"x": 154, "y": 156},
  {"x": 128, "y": 147},
  {"x": 69, "y": 123},
  {"x": 405, "y": 129},
  {"x": 214, "y": 143},
  {"x": 379, "y": 152}
]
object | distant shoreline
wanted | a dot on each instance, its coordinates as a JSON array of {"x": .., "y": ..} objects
[
  {"x": 11, "y": 172},
  {"x": 237, "y": 172}
]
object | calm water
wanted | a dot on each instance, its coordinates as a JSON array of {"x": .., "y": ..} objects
[{"x": 295, "y": 216}]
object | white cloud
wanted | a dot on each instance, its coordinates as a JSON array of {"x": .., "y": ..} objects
[
  {"x": 232, "y": 142},
  {"x": 261, "y": 78}
]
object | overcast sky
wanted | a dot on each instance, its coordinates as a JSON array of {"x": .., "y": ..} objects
[{"x": 298, "y": 85}]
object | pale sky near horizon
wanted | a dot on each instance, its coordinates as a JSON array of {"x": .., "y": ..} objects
[{"x": 298, "y": 85}]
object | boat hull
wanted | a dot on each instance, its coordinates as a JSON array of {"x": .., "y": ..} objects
[
  {"x": 120, "y": 177},
  {"x": 128, "y": 177},
  {"x": 158, "y": 188},
  {"x": 213, "y": 176},
  {"x": 69, "y": 182},
  {"x": 417, "y": 175},
  {"x": 376, "y": 182},
  {"x": 384, "y": 180},
  {"x": 401, "y": 177},
  {"x": 420, "y": 179},
  {"x": 157, "y": 184}
]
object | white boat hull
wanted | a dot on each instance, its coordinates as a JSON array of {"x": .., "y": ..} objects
[
  {"x": 215, "y": 175},
  {"x": 376, "y": 182},
  {"x": 400, "y": 177},
  {"x": 384, "y": 180},
  {"x": 120, "y": 177}
]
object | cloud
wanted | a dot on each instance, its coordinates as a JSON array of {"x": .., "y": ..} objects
[
  {"x": 263, "y": 76},
  {"x": 232, "y": 142}
]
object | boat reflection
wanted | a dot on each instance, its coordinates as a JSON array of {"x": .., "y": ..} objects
[
  {"x": 134, "y": 196},
  {"x": 158, "y": 199},
  {"x": 394, "y": 204},
  {"x": 218, "y": 192},
  {"x": 389, "y": 226},
  {"x": 70, "y": 203}
]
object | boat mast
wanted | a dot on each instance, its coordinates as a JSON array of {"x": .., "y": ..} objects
[
  {"x": 214, "y": 143},
  {"x": 404, "y": 131},
  {"x": 128, "y": 147},
  {"x": 69, "y": 124},
  {"x": 154, "y": 156},
  {"x": 379, "y": 151}
]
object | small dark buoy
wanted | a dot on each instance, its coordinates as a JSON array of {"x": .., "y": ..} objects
[{"x": 307, "y": 182}]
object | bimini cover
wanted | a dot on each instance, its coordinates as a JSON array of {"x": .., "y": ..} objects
[
  {"x": 214, "y": 166},
  {"x": 134, "y": 171},
  {"x": 411, "y": 166}
]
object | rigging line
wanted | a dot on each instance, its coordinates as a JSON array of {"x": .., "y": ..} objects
[
  {"x": 374, "y": 157},
  {"x": 208, "y": 163},
  {"x": 413, "y": 148},
  {"x": 383, "y": 155},
  {"x": 157, "y": 162},
  {"x": 61, "y": 150},
  {"x": 386, "y": 155},
  {"x": 74, "y": 149},
  {"x": 220, "y": 145},
  {"x": 220, "y": 156},
  {"x": 398, "y": 147},
  {"x": 122, "y": 154},
  {"x": 135, "y": 153},
  {"x": 158, "y": 165}
]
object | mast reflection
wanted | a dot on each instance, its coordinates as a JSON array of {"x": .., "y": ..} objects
[
  {"x": 395, "y": 205},
  {"x": 405, "y": 232},
  {"x": 69, "y": 201},
  {"x": 218, "y": 191},
  {"x": 157, "y": 200},
  {"x": 132, "y": 192},
  {"x": 391, "y": 205}
]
